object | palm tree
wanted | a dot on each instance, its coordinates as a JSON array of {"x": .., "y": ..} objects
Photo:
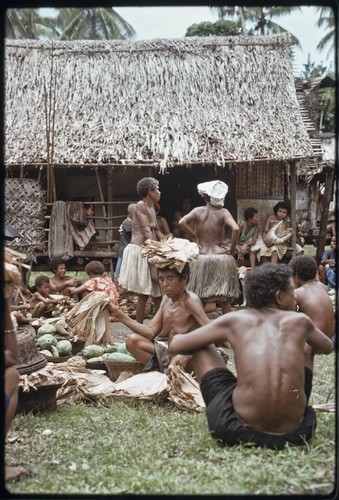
[
  {"x": 28, "y": 23},
  {"x": 92, "y": 24},
  {"x": 260, "y": 19},
  {"x": 326, "y": 19},
  {"x": 234, "y": 12}
]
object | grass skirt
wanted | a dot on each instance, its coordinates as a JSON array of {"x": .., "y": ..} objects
[
  {"x": 214, "y": 278},
  {"x": 135, "y": 274}
]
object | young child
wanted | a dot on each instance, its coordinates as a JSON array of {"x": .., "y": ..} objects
[
  {"x": 248, "y": 234},
  {"x": 98, "y": 282},
  {"x": 42, "y": 304}
]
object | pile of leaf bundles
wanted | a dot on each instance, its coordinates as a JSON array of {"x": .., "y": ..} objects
[
  {"x": 172, "y": 252},
  {"x": 89, "y": 319}
]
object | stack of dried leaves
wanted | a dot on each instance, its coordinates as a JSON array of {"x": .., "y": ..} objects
[{"x": 89, "y": 319}]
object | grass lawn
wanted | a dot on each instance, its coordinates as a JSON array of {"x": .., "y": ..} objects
[{"x": 153, "y": 449}]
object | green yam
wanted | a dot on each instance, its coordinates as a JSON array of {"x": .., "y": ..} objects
[
  {"x": 120, "y": 357},
  {"x": 47, "y": 353},
  {"x": 64, "y": 347},
  {"x": 121, "y": 347},
  {"x": 93, "y": 351},
  {"x": 110, "y": 348},
  {"x": 46, "y": 341},
  {"x": 46, "y": 328},
  {"x": 98, "y": 359}
]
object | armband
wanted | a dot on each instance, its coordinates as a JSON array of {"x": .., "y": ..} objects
[{"x": 10, "y": 330}]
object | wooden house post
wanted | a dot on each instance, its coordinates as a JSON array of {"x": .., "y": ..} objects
[
  {"x": 329, "y": 172},
  {"x": 293, "y": 191}
]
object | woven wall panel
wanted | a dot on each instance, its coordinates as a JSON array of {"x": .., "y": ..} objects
[{"x": 25, "y": 207}]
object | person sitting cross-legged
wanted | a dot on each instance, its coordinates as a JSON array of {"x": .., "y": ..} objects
[{"x": 266, "y": 404}]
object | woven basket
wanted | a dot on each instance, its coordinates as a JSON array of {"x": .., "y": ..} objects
[
  {"x": 96, "y": 366},
  {"x": 77, "y": 346},
  {"x": 115, "y": 368},
  {"x": 36, "y": 401},
  {"x": 56, "y": 359},
  {"x": 29, "y": 357}
]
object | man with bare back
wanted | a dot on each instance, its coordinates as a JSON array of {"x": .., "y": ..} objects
[
  {"x": 214, "y": 276},
  {"x": 135, "y": 275},
  {"x": 266, "y": 404},
  {"x": 312, "y": 299},
  {"x": 180, "y": 311}
]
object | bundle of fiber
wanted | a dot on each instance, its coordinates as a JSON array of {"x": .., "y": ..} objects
[
  {"x": 89, "y": 319},
  {"x": 185, "y": 390},
  {"x": 172, "y": 252}
]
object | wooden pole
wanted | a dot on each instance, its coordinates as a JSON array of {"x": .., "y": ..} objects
[
  {"x": 104, "y": 212},
  {"x": 329, "y": 172},
  {"x": 293, "y": 191}
]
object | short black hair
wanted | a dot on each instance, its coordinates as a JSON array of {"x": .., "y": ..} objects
[
  {"x": 304, "y": 266},
  {"x": 40, "y": 280},
  {"x": 184, "y": 274},
  {"x": 249, "y": 213},
  {"x": 55, "y": 263},
  {"x": 262, "y": 283}
]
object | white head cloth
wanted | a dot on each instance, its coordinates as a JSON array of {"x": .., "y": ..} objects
[{"x": 216, "y": 190}]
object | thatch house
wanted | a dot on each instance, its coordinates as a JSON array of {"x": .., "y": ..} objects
[{"x": 88, "y": 119}]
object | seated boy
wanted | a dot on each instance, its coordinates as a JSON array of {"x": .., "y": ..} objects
[
  {"x": 42, "y": 304},
  {"x": 266, "y": 404}
]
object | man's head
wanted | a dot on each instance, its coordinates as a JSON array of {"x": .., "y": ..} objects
[
  {"x": 95, "y": 268},
  {"x": 270, "y": 285},
  {"x": 333, "y": 243},
  {"x": 173, "y": 283},
  {"x": 145, "y": 185},
  {"x": 251, "y": 213},
  {"x": 303, "y": 267}
]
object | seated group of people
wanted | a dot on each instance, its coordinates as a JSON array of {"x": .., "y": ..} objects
[
  {"x": 41, "y": 301},
  {"x": 275, "y": 239}
]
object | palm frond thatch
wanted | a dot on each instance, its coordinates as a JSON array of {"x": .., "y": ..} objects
[{"x": 164, "y": 102}]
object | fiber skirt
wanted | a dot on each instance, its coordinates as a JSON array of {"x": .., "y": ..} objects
[
  {"x": 135, "y": 275},
  {"x": 214, "y": 278}
]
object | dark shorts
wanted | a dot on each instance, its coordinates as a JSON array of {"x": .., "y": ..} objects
[{"x": 225, "y": 425}]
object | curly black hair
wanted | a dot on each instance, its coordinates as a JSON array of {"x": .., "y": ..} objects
[
  {"x": 95, "y": 267},
  {"x": 282, "y": 204},
  {"x": 304, "y": 267},
  {"x": 262, "y": 283}
]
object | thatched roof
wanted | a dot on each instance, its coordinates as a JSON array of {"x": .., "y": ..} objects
[{"x": 163, "y": 102}]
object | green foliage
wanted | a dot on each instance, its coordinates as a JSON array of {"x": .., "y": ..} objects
[
  {"x": 146, "y": 448},
  {"x": 312, "y": 69},
  {"x": 328, "y": 105},
  {"x": 219, "y": 28},
  {"x": 69, "y": 24}
]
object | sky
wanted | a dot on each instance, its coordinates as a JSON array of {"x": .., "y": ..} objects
[{"x": 172, "y": 22}]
